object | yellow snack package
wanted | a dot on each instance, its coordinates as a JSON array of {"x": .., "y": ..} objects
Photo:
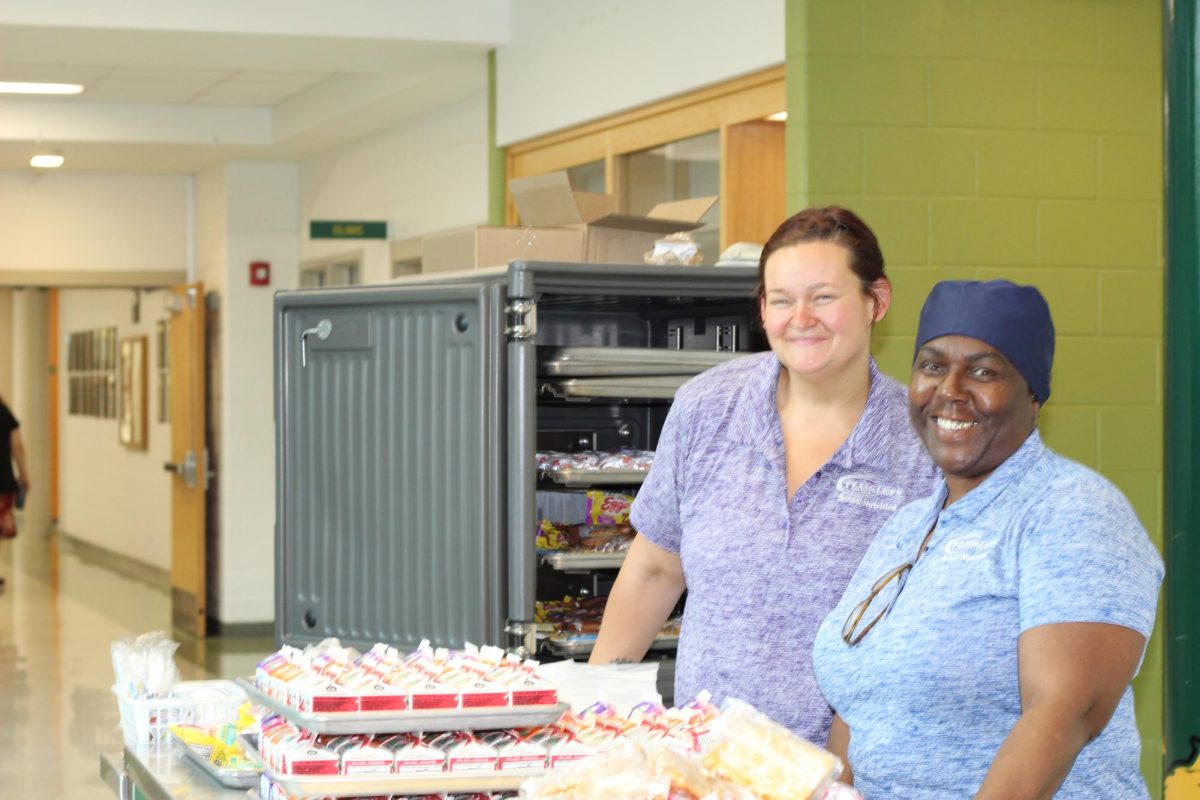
[{"x": 201, "y": 740}]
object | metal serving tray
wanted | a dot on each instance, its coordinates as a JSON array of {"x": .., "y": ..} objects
[
  {"x": 570, "y": 361},
  {"x": 585, "y": 647},
  {"x": 229, "y": 778},
  {"x": 375, "y": 785},
  {"x": 645, "y": 386},
  {"x": 576, "y": 478},
  {"x": 572, "y": 560},
  {"x": 407, "y": 721}
]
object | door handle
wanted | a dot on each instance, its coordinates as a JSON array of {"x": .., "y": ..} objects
[
  {"x": 185, "y": 469},
  {"x": 322, "y": 331}
]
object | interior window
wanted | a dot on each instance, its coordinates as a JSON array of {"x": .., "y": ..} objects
[
  {"x": 678, "y": 170},
  {"x": 587, "y": 177}
]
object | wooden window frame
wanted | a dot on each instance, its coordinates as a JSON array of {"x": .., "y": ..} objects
[{"x": 714, "y": 108}]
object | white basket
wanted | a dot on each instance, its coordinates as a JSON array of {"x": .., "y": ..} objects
[{"x": 147, "y": 721}]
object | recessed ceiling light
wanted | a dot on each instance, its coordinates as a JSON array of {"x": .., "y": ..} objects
[
  {"x": 780, "y": 116},
  {"x": 46, "y": 161},
  {"x": 7, "y": 87}
]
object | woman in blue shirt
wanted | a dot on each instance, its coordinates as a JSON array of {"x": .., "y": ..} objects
[{"x": 985, "y": 645}]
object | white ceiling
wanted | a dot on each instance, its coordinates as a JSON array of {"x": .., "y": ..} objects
[{"x": 180, "y": 100}]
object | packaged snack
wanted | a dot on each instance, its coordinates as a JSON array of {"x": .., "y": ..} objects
[
  {"x": 750, "y": 750},
  {"x": 605, "y": 508},
  {"x": 465, "y": 753},
  {"x": 412, "y": 755},
  {"x": 556, "y": 536},
  {"x": 513, "y": 752}
]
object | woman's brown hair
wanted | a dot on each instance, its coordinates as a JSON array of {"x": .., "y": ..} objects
[{"x": 829, "y": 224}]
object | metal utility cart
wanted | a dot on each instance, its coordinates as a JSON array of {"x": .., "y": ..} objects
[{"x": 408, "y": 416}]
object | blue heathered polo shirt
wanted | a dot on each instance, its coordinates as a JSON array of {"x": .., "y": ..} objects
[
  {"x": 763, "y": 572},
  {"x": 931, "y": 692}
]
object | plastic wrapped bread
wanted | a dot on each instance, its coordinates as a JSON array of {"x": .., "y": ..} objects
[
  {"x": 621, "y": 774},
  {"x": 748, "y": 749}
]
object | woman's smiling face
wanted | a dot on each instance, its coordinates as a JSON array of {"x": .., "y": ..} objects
[
  {"x": 971, "y": 408},
  {"x": 814, "y": 310}
]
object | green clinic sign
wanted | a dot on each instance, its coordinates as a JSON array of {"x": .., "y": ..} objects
[{"x": 346, "y": 229}]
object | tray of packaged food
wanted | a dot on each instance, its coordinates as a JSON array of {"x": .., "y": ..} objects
[
  {"x": 653, "y": 387},
  {"x": 576, "y": 478},
  {"x": 449, "y": 719},
  {"x": 583, "y": 560},
  {"x": 321, "y": 786},
  {"x": 570, "y": 361},
  {"x": 243, "y": 776}
]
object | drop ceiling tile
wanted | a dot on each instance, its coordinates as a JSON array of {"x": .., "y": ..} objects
[{"x": 52, "y": 73}]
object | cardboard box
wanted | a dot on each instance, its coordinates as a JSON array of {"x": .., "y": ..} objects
[
  {"x": 560, "y": 224},
  {"x": 608, "y": 237},
  {"x": 493, "y": 246}
]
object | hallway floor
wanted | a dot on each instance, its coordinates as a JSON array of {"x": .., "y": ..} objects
[{"x": 60, "y": 609}]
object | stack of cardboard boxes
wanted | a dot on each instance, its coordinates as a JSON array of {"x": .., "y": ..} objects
[{"x": 560, "y": 224}]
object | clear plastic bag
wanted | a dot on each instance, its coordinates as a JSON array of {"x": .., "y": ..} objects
[
  {"x": 748, "y": 749},
  {"x": 676, "y": 248},
  {"x": 637, "y": 769},
  {"x": 623, "y": 773},
  {"x": 145, "y": 665}
]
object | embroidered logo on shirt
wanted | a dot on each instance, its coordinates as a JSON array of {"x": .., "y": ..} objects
[
  {"x": 971, "y": 547},
  {"x": 869, "y": 493}
]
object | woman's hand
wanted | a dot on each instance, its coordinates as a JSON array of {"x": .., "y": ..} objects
[
  {"x": 839, "y": 745},
  {"x": 647, "y": 588},
  {"x": 1072, "y": 677}
]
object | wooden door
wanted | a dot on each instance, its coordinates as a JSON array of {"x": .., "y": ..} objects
[
  {"x": 753, "y": 181},
  {"x": 189, "y": 459}
]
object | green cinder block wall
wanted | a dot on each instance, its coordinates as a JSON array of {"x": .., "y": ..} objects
[{"x": 1018, "y": 139}]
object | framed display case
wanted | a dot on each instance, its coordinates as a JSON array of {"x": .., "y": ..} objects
[{"x": 132, "y": 428}]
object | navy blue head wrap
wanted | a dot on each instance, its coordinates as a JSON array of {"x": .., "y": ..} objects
[{"x": 1013, "y": 319}]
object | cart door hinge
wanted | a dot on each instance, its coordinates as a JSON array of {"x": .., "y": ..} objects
[{"x": 520, "y": 319}]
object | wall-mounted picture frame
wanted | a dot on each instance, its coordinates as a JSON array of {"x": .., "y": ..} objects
[{"x": 132, "y": 427}]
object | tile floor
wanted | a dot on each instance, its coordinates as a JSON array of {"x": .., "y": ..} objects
[{"x": 60, "y": 609}]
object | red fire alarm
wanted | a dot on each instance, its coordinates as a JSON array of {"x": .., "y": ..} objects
[{"x": 260, "y": 273}]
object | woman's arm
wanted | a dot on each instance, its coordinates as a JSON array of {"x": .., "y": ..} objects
[
  {"x": 1072, "y": 676},
  {"x": 839, "y": 745},
  {"x": 18, "y": 451},
  {"x": 647, "y": 588}
]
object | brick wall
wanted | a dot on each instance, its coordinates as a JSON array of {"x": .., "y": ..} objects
[{"x": 1016, "y": 139}]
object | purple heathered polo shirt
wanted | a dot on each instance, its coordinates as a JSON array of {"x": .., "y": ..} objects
[{"x": 762, "y": 573}]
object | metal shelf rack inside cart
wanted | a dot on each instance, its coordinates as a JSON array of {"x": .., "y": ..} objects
[{"x": 407, "y": 429}]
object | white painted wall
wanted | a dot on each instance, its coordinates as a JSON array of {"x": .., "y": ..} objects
[
  {"x": 110, "y": 496},
  {"x": 211, "y": 227},
  {"x": 569, "y": 62},
  {"x": 427, "y": 176},
  {"x": 6, "y": 340},
  {"x": 262, "y": 224},
  {"x": 30, "y": 402},
  {"x": 101, "y": 223}
]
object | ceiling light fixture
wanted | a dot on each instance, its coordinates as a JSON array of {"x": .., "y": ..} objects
[
  {"x": 779, "y": 116},
  {"x": 46, "y": 161},
  {"x": 10, "y": 87}
]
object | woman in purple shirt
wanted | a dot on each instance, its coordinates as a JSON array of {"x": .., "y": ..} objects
[{"x": 772, "y": 474}]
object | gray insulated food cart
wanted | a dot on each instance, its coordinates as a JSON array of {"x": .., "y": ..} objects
[{"x": 408, "y": 416}]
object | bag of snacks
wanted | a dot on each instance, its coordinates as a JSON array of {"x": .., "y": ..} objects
[{"x": 745, "y": 747}]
